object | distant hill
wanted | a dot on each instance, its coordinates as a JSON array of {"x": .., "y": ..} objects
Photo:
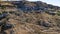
[
  {"x": 34, "y": 5},
  {"x": 28, "y": 6}
]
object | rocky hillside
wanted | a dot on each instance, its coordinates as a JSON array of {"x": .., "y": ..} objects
[
  {"x": 29, "y": 18},
  {"x": 34, "y": 5}
]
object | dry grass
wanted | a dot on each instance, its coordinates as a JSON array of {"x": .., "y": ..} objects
[
  {"x": 31, "y": 23},
  {"x": 26, "y": 23}
]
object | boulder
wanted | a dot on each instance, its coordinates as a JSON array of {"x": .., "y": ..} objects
[{"x": 3, "y": 15}]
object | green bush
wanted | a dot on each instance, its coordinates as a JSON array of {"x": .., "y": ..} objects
[
  {"x": 0, "y": 13},
  {"x": 3, "y": 7},
  {"x": 58, "y": 13}
]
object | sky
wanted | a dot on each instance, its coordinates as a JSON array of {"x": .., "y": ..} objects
[{"x": 53, "y": 2}]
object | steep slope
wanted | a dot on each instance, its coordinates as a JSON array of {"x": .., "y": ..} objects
[{"x": 29, "y": 18}]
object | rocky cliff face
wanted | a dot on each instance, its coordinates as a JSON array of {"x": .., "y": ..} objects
[{"x": 29, "y": 18}]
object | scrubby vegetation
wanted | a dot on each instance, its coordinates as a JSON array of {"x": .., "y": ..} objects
[
  {"x": 58, "y": 13},
  {"x": 37, "y": 21}
]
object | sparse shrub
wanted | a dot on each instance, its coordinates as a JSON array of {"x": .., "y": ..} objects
[
  {"x": 58, "y": 22},
  {"x": 1, "y": 23},
  {"x": 0, "y": 13},
  {"x": 6, "y": 26},
  {"x": 3, "y": 15},
  {"x": 43, "y": 23},
  {"x": 3, "y": 7},
  {"x": 58, "y": 13},
  {"x": 11, "y": 11}
]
